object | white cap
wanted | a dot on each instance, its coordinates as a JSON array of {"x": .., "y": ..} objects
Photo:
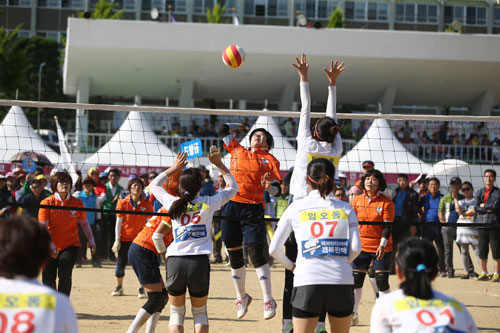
[
  {"x": 342, "y": 175},
  {"x": 3, "y": 176}
]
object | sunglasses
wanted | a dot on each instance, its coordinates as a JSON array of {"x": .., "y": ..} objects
[
  {"x": 35, "y": 187},
  {"x": 466, "y": 189}
]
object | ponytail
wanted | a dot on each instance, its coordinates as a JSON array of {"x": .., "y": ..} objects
[
  {"x": 320, "y": 175},
  {"x": 417, "y": 260},
  {"x": 190, "y": 182},
  {"x": 325, "y": 129}
]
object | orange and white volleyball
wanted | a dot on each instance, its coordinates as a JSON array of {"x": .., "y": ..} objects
[{"x": 233, "y": 56}]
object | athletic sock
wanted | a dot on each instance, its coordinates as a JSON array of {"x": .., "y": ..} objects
[
  {"x": 264, "y": 275},
  {"x": 373, "y": 282},
  {"x": 357, "y": 298},
  {"x": 152, "y": 322},
  {"x": 286, "y": 322},
  {"x": 239, "y": 275},
  {"x": 141, "y": 317}
]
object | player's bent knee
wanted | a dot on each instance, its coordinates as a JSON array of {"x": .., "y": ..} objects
[
  {"x": 177, "y": 314},
  {"x": 155, "y": 302},
  {"x": 256, "y": 254},
  {"x": 236, "y": 258},
  {"x": 359, "y": 279},
  {"x": 200, "y": 315},
  {"x": 382, "y": 280}
]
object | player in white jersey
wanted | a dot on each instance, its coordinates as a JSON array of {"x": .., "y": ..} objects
[
  {"x": 25, "y": 304},
  {"x": 416, "y": 307},
  {"x": 187, "y": 256},
  {"x": 320, "y": 139},
  {"x": 327, "y": 237}
]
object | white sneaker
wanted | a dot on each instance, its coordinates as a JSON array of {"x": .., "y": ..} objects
[
  {"x": 118, "y": 291},
  {"x": 269, "y": 309},
  {"x": 242, "y": 306},
  {"x": 141, "y": 293},
  {"x": 354, "y": 319}
]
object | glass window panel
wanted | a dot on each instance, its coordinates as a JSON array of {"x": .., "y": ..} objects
[
  {"x": 54, "y": 3},
  {"x": 432, "y": 16},
  {"x": 349, "y": 10},
  {"x": 359, "y": 11},
  {"x": 129, "y": 5},
  {"x": 372, "y": 11},
  {"x": 310, "y": 9},
  {"x": 496, "y": 16},
  {"x": 331, "y": 7},
  {"x": 448, "y": 14},
  {"x": 146, "y": 5},
  {"x": 422, "y": 13},
  {"x": 249, "y": 8},
  {"x": 25, "y": 3},
  {"x": 383, "y": 9},
  {"x": 400, "y": 12},
  {"x": 14, "y": 3},
  {"x": 459, "y": 14},
  {"x": 282, "y": 8},
  {"x": 410, "y": 13},
  {"x": 480, "y": 15},
  {"x": 471, "y": 15},
  {"x": 198, "y": 6},
  {"x": 323, "y": 11},
  {"x": 272, "y": 7},
  {"x": 3, "y": 2}
]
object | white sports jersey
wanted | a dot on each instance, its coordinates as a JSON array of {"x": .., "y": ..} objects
[
  {"x": 307, "y": 147},
  {"x": 397, "y": 312},
  {"x": 326, "y": 231},
  {"x": 467, "y": 235},
  {"x": 28, "y": 306},
  {"x": 191, "y": 232}
]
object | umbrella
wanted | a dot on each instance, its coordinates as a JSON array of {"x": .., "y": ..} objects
[{"x": 40, "y": 159}]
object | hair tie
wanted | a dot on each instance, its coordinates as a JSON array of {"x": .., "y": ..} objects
[
  {"x": 421, "y": 267},
  {"x": 312, "y": 180},
  {"x": 316, "y": 131}
]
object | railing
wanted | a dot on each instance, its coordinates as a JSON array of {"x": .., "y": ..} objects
[{"x": 425, "y": 152}]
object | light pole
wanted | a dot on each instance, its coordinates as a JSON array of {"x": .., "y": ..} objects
[{"x": 40, "y": 69}]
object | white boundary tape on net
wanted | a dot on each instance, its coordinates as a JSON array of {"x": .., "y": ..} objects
[{"x": 201, "y": 111}]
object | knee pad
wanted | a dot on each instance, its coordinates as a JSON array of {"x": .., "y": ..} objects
[
  {"x": 256, "y": 254},
  {"x": 236, "y": 258},
  {"x": 177, "y": 315},
  {"x": 382, "y": 279},
  {"x": 155, "y": 302},
  {"x": 359, "y": 279},
  {"x": 200, "y": 315}
]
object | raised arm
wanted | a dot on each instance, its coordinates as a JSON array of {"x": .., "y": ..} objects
[
  {"x": 232, "y": 187},
  {"x": 156, "y": 185},
  {"x": 332, "y": 75},
  {"x": 305, "y": 98}
]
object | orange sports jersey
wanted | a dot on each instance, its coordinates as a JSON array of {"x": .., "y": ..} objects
[
  {"x": 133, "y": 224},
  {"x": 63, "y": 224},
  {"x": 379, "y": 209},
  {"x": 144, "y": 238},
  {"x": 248, "y": 166}
]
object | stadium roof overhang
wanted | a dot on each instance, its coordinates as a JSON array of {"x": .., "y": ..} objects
[{"x": 151, "y": 59}]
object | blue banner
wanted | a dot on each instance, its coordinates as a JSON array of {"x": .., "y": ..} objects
[
  {"x": 193, "y": 148},
  {"x": 29, "y": 165}
]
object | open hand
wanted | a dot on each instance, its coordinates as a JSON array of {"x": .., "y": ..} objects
[
  {"x": 214, "y": 156},
  {"x": 180, "y": 161},
  {"x": 302, "y": 67},
  {"x": 380, "y": 252},
  {"x": 334, "y": 72},
  {"x": 265, "y": 180}
]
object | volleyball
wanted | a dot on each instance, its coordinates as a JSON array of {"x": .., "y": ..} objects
[{"x": 233, "y": 56}]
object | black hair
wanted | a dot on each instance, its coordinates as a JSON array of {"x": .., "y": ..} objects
[
  {"x": 321, "y": 176},
  {"x": 490, "y": 170},
  {"x": 434, "y": 179},
  {"x": 133, "y": 181},
  {"x": 117, "y": 171},
  {"x": 402, "y": 175},
  {"x": 24, "y": 247},
  {"x": 325, "y": 129},
  {"x": 36, "y": 181},
  {"x": 269, "y": 137},
  {"x": 288, "y": 177},
  {"x": 190, "y": 182},
  {"x": 470, "y": 185},
  {"x": 382, "y": 184},
  {"x": 88, "y": 180},
  {"x": 418, "y": 261},
  {"x": 59, "y": 177}
]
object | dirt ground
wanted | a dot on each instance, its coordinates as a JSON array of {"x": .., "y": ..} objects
[{"x": 98, "y": 311}]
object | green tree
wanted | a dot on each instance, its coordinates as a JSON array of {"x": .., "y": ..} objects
[
  {"x": 336, "y": 19},
  {"x": 12, "y": 64},
  {"x": 215, "y": 14},
  {"x": 104, "y": 9}
]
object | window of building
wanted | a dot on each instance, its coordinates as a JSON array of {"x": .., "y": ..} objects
[
  {"x": 129, "y": 5},
  {"x": 366, "y": 11},
  {"x": 14, "y": 3},
  {"x": 413, "y": 13},
  {"x": 496, "y": 16},
  {"x": 72, "y": 4},
  {"x": 268, "y": 8},
  {"x": 468, "y": 15}
]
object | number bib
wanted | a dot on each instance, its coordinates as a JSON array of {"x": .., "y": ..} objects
[
  {"x": 327, "y": 233},
  {"x": 188, "y": 227},
  {"x": 26, "y": 313},
  {"x": 433, "y": 315},
  {"x": 333, "y": 159}
]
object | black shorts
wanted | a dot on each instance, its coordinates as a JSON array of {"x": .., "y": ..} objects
[
  {"x": 489, "y": 237},
  {"x": 191, "y": 272},
  {"x": 234, "y": 232},
  {"x": 145, "y": 264},
  {"x": 310, "y": 301}
]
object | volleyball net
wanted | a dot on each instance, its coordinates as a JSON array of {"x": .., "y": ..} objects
[{"x": 139, "y": 140}]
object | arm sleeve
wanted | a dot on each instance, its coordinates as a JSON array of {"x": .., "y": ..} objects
[
  {"x": 305, "y": 113},
  {"x": 118, "y": 227},
  {"x": 379, "y": 322},
  {"x": 442, "y": 207},
  {"x": 331, "y": 104},
  {"x": 26, "y": 187},
  {"x": 65, "y": 315},
  {"x": 87, "y": 230},
  {"x": 280, "y": 235},
  {"x": 159, "y": 192},
  {"x": 493, "y": 204},
  {"x": 355, "y": 240}
]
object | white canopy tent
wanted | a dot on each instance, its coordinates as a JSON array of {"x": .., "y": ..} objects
[
  {"x": 382, "y": 147},
  {"x": 282, "y": 150},
  {"x": 17, "y": 135},
  {"x": 133, "y": 145},
  {"x": 446, "y": 169}
]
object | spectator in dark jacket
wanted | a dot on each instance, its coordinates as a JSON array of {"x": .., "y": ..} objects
[
  {"x": 35, "y": 196},
  {"x": 488, "y": 212},
  {"x": 5, "y": 197},
  {"x": 406, "y": 203}
]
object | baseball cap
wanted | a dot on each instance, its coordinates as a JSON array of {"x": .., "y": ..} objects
[
  {"x": 132, "y": 176},
  {"x": 454, "y": 180},
  {"x": 103, "y": 174},
  {"x": 342, "y": 175},
  {"x": 368, "y": 164},
  {"x": 41, "y": 177}
]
